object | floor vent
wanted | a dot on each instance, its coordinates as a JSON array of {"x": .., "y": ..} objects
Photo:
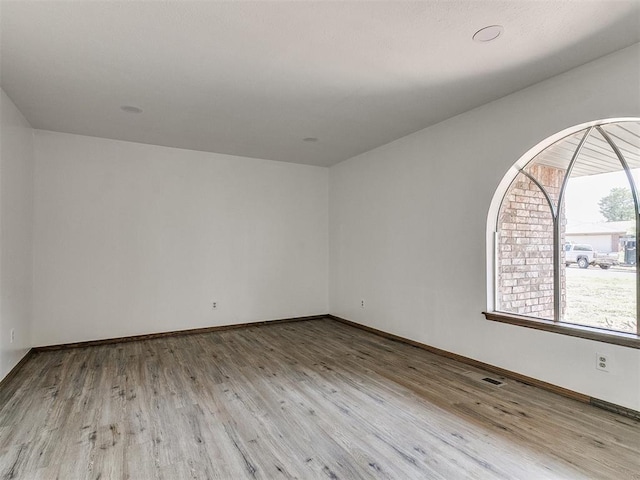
[
  {"x": 481, "y": 377},
  {"x": 492, "y": 381}
]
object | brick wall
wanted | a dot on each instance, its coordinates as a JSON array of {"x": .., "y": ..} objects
[{"x": 525, "y": 245}]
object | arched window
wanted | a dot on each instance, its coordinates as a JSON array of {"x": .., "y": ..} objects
[{"x": 563, "y": 232}]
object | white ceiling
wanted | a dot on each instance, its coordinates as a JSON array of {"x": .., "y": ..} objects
[{"x": 255, "y": 78}]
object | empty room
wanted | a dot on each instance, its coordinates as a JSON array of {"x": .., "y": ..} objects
[{"x": 319, "y": 239}]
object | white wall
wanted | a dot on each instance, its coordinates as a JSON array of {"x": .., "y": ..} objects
[
  {"x": 408, "y": 227},
  {"x": 16, "y": 218},
  {"x": 133, "y": 239}
]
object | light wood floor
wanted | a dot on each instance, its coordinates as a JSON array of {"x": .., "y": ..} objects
[{"x": 313, "y": 399}]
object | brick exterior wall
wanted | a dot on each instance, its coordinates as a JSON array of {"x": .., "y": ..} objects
[{"x": 525, "y": 245}]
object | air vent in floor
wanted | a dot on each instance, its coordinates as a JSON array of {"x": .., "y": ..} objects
[
  {"x": 492, "y": 381},
  {"x": 481, "y": 377}
]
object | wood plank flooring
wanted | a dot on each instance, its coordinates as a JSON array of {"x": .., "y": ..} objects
[{"x": 311, "y": 399}]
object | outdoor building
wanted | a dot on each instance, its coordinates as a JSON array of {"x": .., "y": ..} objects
[{"x": 603, "y": 236}]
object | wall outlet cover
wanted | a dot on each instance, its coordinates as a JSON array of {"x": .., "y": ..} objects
[{"x": 602, "y": 362}]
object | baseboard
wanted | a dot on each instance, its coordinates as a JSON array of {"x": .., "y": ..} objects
[
  {"x": 612, "y": 407},
  {"x": 174, "y": 333},
  {"x": 12, "y": 373},
  {"x": 565, "y": 392}
]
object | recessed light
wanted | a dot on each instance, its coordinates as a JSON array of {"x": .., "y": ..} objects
[
  {"x": 310, "y": 139},
  {"x": 489, "y": 33},
  {"x": 130, "y": 109}
]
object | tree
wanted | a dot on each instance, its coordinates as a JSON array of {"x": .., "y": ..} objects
[{"x": 618, "y": 205}]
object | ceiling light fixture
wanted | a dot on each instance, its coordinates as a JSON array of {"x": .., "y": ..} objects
[
  {"x": 310, "y": 139},
  {"x": 488, "y": 34},
  {"x": 130, "y": 109}
]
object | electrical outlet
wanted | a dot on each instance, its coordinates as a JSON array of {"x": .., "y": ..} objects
[
  {"x": 12, "y": 335},
  {"x": 602, "y": 362},
  {"x": 361, "y": 303},
  {"x": 214, "y": 306}
]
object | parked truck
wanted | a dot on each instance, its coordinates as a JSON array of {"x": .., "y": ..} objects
[{"x": 584, "y": 255}]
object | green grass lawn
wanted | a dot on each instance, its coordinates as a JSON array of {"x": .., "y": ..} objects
[{"x": 601, "y": 298}]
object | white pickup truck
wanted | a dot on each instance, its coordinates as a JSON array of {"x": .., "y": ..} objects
[{"x": 584, "y": 255}]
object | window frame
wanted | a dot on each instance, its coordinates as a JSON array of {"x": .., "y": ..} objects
[{"x": 555, "y": 325}]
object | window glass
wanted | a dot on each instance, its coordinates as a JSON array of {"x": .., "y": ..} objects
[
  {"x": 550, "y": 165},
  {"x": 583, "y": 202},
  {"x": 525, "y": 244},
  {"x": 599, "y": 289}
]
